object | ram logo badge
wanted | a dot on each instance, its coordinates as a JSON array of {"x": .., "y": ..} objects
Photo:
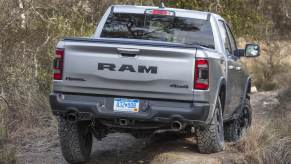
[{"x": 129, "y": 68}]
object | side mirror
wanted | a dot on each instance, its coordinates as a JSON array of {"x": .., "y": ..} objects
[{"x": 252, "y": 50}]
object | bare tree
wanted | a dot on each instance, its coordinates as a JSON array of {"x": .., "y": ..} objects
[
  {"x": 22, "y": 15},
  {"x": 287, "y": 8}
]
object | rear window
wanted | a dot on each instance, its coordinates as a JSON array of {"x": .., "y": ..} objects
[{"x": 159, "y": 28}]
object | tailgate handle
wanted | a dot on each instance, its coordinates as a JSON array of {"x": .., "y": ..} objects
[
  {"x": 128, "y": 55},
  {"x": 128, "y": 52}
]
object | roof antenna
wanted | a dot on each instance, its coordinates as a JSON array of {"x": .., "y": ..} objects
[{"x": 162, "y": 4}]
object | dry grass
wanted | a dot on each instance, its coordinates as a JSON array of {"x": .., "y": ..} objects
[
  {"x": 7, "y": 154},
  {"x": 27, "y": 113},
  {"x": 7, "y": 150},
  {"x": 264, "y": 145},
  {"x": 268, "y": 141}
]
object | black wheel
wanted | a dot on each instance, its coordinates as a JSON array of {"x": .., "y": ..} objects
[
  {"x": 76, "y": 141},
  {"x": 210, "y": 139},
  {"x": 232, "y": 131},
  {"x": 246, "y": 117},
  {"x": 236, "y": 128}
]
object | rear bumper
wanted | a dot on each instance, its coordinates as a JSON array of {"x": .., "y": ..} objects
[{"x": 90, "y": 107}]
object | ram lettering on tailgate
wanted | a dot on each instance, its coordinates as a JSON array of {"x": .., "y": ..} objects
[{"x": 127, "y": 67}]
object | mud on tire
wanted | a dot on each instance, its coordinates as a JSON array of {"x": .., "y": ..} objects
[
  {"x": 76, "y": 141},
  {"x": 210, "y": 139}
]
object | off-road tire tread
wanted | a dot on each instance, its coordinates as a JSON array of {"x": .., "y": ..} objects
[
  {"x": 208, "y": 139},
  {"x": 70, "y": 137}
]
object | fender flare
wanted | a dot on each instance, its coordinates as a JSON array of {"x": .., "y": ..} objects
[
  {"x": 221, "y": 82},
  {"x": 248, "y": 86},
  {"x": 247, "y": 89}
]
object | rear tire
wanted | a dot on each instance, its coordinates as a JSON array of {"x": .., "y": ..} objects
[
  {"x": 76, "y": 141},
  {"x": 210, "y": 139}
]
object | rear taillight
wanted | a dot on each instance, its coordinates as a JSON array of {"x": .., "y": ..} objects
[
  {"x": 201, "y": 80},
  {"x": 59, "y": 64}
]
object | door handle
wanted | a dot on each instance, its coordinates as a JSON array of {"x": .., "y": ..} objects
[
  {"x": 238, "y": 68},
  {"x": 231, "y": 67}
]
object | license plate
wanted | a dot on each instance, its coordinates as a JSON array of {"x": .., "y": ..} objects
[{"x": 126, "y": 105}]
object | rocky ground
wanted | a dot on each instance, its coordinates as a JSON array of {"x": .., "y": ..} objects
[{"x": 41, "y": 146}]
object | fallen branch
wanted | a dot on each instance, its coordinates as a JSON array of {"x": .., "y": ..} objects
[{"x": 3, "y": 98}]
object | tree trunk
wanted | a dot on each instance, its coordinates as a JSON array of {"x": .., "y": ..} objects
[
  {"x": 22, "y": 16},
  {"x": 287, "y": 8}
]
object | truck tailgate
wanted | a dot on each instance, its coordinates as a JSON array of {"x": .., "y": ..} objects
[{"x": 130, "y": 70}]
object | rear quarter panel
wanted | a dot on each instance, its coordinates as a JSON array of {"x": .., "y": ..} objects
[{"x": 217, "y": 74}]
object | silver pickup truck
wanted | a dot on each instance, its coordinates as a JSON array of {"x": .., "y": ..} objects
[{"x": 150, "y": 70}]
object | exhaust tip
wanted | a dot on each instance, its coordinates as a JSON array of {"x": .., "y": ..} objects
[
  {"x": 72, "y": 117},
  {"x": 177, "y": 125}
]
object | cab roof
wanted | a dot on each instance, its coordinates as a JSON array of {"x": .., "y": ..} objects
[{"x": 179, "y": 12}]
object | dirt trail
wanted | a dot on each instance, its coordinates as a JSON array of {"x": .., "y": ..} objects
[{"x": 41, "y": 146}]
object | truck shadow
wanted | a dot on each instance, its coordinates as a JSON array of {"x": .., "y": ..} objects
[{"x": 124, "y": 148}]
